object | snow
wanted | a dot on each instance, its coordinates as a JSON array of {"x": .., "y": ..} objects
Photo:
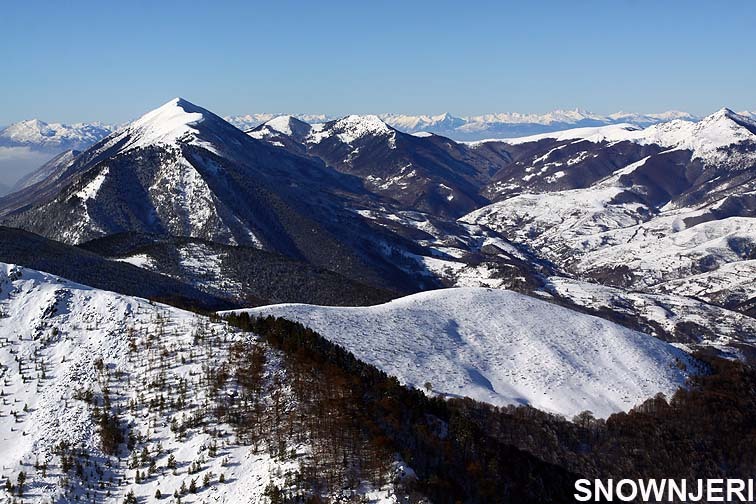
[
  {"x": 613, "y": 132},
  {"x": 54, "y": 332},
  {"x": 592, "y": 231},
  {"x": 40, "y": 134},
  {"x": 139, "y": 260},
  {"x": 509, "y": 121},
  {"x": 502, "y": 347},
  {"x": 704, "y": 138},
  {"x": 662, "y": 310},
  {"x": 416, "y": 123},
  {"x": 655, "y": 258},
  {"x": 249, "y": 121},
  {"x": 206, "y": 268},
  {"x": 282, "y": 124},
  {"x": 165, "y": 124},
  {"x": 351, "y": 128},
  {"x": 92, "y": 188},
  {"x": 560, "y": 217},
  {"x": 168, "y": 125},
  {"x": 68, "y": 326}
]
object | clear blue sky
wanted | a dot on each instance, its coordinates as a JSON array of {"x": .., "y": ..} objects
[{"x": 111, "y": 61}]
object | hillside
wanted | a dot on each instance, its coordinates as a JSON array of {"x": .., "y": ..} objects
[
  {"x": 502, "y": 347},
  {"x": 104, "y": 395}
]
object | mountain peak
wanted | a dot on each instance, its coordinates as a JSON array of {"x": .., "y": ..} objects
[
  {"x": 167, "y": 124},
  {"x": 283, "y": 123},
  {"x": 176, "y": 113},
  {"x": 286, "y": 125},
  {"x": 52, "y": 136},
  {"x": 723, "y": 113},
  {"x": 361, "y": 125},
  {"x": 353, "y": 127},
  {"x": 726, "y": 116}
]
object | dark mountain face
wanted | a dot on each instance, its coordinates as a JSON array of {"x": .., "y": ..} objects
[
  {"x": 244, "y": 275},
  {"x": 182, "y": 171},
  {"x": 429, "y": 174},
  {"x": 682, "y": 164},
  {"x": 552, "y": 165},
  {"x": 91, "y": 269}
]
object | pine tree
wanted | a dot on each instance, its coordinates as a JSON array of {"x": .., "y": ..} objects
[
  {"x": 130, "y": 498},
  {"x": 21, "y": 479}
]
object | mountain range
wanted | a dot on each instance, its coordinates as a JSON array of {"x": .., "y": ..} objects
[
  {"x": 27, "y": 144},
  {"x": 375, "y": 308},
  {"x": 651, "y": 211},
  {"x": 477, "y": 127}
]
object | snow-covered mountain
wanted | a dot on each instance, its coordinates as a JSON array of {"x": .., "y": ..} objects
[
  {"x": 584, "y": 202},
  {"x": 589, "y": 265},
  {"x": 181, "y": 170},
  {"x": 514, "y": 124},
  {"x": 250, "y": 121},
  {"x": 703, "y": 138},
  {"x": 177, "y": 149},
  {"x": 504, "y": 348},
  {"x": 665, "y": 210},
  {"x": 424, "y": 123},
  {"x": 27, "y": 145},
  {"x": 54, "y": 137},
  {"x": 668, "y": 209},
  {"x": 477, "y": 127},
  {"x": 428, "y": 173},
  {"x": 87, "y": 373}
]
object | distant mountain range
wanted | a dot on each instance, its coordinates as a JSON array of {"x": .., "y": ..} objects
[
  {"x": 28, "y": 144},
  {"x": 501, "y": 125}
]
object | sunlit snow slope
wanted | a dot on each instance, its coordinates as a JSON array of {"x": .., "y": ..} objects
[
  {"x": 502, "y": 347},
  {"x": 68, "y": 351}
]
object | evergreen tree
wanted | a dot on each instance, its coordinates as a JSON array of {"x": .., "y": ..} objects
[{"x": 130, "y": 498}]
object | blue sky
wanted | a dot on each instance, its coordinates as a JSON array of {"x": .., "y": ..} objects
[{"x": 111, "y": 61}]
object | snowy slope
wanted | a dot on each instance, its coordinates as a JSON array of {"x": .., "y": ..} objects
[
  {"x": 55, "y": 136},
  {"x": 600, "y": 234},
  {"x": 684, "y": 319},
  {"x": 684, "y": 212},
  {"x": 69, "y": 327},
  {"x": 352, "y": 128},
  {"x": 27, "y": 145},
  {"x": 166, "y": 125},
  {"x": 704, "y": 138},
  {"x": 502, "y": 347},
  {"x": 61, "y": 342}
]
